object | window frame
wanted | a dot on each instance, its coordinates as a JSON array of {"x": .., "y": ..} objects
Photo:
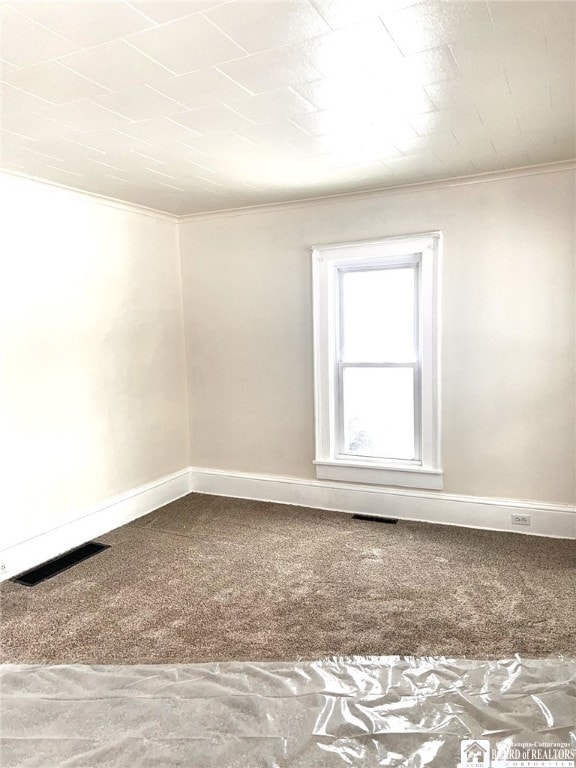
[{"x": 422, "y": 253}]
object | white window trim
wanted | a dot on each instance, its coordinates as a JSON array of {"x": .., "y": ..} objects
[{"x": 328, "y": 262}]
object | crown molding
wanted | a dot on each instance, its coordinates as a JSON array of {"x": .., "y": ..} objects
[
  {"x": 306, "y": 202},
  {"x": 111, "y": 202},
  {"x": 423, "y": 186}
]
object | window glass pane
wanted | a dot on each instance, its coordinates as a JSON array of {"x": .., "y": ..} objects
[
  {"x": 378, "y": 315},
  {"x": 379, "y": 412}
]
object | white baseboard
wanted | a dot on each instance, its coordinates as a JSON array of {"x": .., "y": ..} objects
[
  {"x": 407, "y": 504},
  {"x": 553, "y": 520},
  {"x": 93, "y": 522}
]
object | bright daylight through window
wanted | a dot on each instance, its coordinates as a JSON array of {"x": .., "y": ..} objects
[{"x": 376, "y": 361}]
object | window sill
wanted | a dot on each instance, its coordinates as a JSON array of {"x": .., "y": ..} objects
[{"x": 403, "y": 476}]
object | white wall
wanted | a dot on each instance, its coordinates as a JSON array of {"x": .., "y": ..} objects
[
  {"x": 508, "y": 330},
  {"x": 93, "y": 376},
  {"x": 92, "y": 384}
]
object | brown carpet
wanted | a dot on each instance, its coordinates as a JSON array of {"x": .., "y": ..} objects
[{"x": 210, "y": 578}]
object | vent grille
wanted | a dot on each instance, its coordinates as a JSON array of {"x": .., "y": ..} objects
[
  {"x": 59, "y": 564},
  {"x": 376, "y": 519}
]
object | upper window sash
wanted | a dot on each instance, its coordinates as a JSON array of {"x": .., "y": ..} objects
[{"x": 411, "y": 264}]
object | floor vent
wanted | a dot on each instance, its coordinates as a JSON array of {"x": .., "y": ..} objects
[
  {"x": 58, "y": 564},
  {"x": 375, "y": 519}
]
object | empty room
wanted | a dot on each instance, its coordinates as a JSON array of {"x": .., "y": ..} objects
[{"x": 288, "y": 391}]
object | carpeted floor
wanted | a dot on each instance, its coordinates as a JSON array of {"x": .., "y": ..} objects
[{"x": 208, "y": 578}]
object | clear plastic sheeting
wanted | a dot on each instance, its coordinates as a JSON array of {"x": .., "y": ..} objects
[{"x": 376, "y": 711}]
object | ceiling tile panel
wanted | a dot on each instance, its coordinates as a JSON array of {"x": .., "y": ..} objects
[
  {"x": 132, "y": 163},
  {"x": 536, "y": 120},
  {"x": 36, "y": 126},
  {"x": 479, "y": 143},
  {"x": 563, "y": 98},
  {"x": 505, "y": 144},
  {"x": 428, "y": 25},
  {"x": 478, "y": 61},
  {"x": 442, "y": 143},
  {"x": 213, "y": 119},
  {"x": 162, "y": 11},
  {"x": 159, "y": 130},
  {"x": 54, "y": 82},
  {"x": 86, "y": 23},
  {"x": 560, "y": 33},
  {"x": 354, "y": 52},
  {"x": 463, "y": 117},
  {"x": 260, "y": 167},
  {"x": 501, "y": 122},
  {"x": 405, "y": 169},
  {"x": 551, "y": 153},
  {"x": 95, "y": 166},
  {"x": 21, "y": 160},
  {"x": 173, "y": 187},
  {"x": 283, "y": 102},
  {"x": 447, "y": 94},
  {"x": 347, "y": 149},
  {"x": 520, "y": 50},
  {"x": 369, "y": 150},
  {"x": 24, "y": 43},
  {"x": 206, "y": 104},
  {"x": 204, "y": 88},
  {"x": 158, "y": 174},
  {"x": 428, "y": 67},
  {"x": 352, "y": 123},
  {"x": 86, "y": 116},
  {"x": 113, "y": 143},
  {"x": 67, "y": 147},
  {"x": 566, "y": 144},
  {"x": 485, "y": 94},
  {"x": 343, "y": 13},
  {"x": 334, "y": 92},
  {"x": 519, "y": 18},
  {"x": 222, "y": 143},
  {"x": 274, "y": 133},
  {"x": 170, "y": 153},
  {"x": 116, "y": 65},
  {"x": 272, "y": 69},
  {"x": 187, "y": 44},
  {"x": 5, "y": 67},
  {"x": 59, "y": 175},
  {"x": 258, "y": 26},
  {"x": 418, "y": 145},
  {"x": 141, "y": 103},
  {"x": 16, "y": 102},
  {"x": 189, "y": 164},
  {"x": 13, "y": 142},
  {"x": 431, "y": 122}
]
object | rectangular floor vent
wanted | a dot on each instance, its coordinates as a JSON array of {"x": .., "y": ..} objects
[
  {"x": 58, "y": 564},
  {"x": 375, "y": 519}
]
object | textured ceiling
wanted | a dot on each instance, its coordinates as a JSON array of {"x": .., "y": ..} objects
[{"x": 189, "y": 106}]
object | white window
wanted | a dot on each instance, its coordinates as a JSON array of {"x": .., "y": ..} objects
[{"x": 376, "y": 361}]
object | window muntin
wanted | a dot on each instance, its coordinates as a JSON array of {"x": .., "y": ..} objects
[{"x": 377, "y": 389}]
